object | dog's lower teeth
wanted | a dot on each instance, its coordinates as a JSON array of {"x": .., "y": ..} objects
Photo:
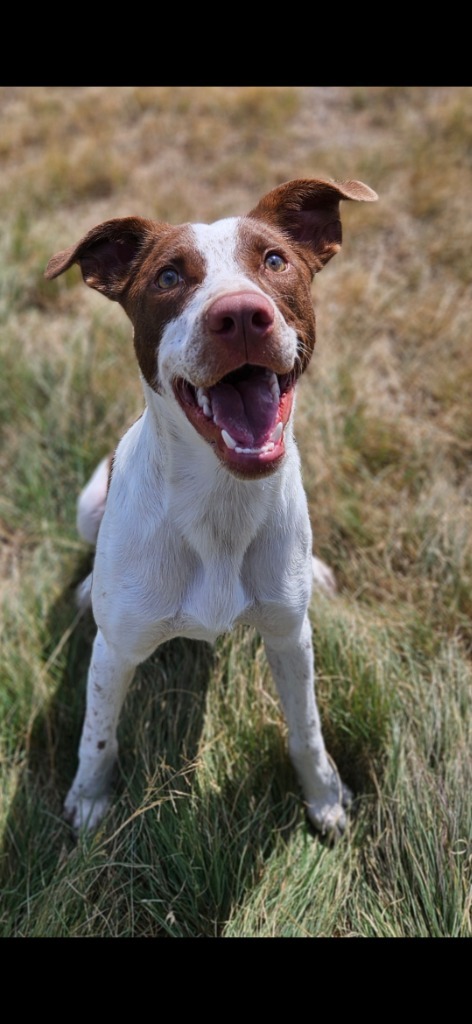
[
  {"x": 231, "y": 443},
  {"x": 266, "y": 448},
  {"x": 277, "y": 434}
]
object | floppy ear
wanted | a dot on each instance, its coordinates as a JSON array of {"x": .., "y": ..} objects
[
  {"x": 307, "y": 210},
  {"x": 105, "y": 254}
]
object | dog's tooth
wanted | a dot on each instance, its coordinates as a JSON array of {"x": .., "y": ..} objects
[
  {"x": 274, "y": 386},
  {"x": 277, "y": 433},
  {"x": 228, "y": 440},
  {"x": 203, "y": 400}
]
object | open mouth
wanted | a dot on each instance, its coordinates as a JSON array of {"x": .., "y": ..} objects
[{"x": 243, "y": 416}]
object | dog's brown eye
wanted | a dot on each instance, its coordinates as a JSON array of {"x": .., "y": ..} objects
[
  {"x": 168, "y": 278},
  {"x": 274, "y": 261}
]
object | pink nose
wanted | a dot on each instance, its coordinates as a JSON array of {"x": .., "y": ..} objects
[{"x": 243, "y": 316}]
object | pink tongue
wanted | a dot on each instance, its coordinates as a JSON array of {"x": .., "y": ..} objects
[{"x": 247, "y": 409}]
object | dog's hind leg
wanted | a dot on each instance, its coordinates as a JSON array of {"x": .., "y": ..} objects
[
  {"x": 90, "y": 508},
  {"x": 91, "y": 502},
  {"x": 291, "y": 661}
]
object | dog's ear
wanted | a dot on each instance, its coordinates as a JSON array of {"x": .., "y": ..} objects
[
  {"x": 105, "y": 254},
  {"x": 307, "y": 210}
]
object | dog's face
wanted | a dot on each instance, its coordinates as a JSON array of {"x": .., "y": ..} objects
[{"x": 222, "y": 313}]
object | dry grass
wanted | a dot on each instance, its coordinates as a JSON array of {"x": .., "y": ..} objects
[{"x": 207, "y": 835}]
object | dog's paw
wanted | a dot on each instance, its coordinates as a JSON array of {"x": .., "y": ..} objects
[
  {"x": 328, "y": 815},
  {"x": 83, "y": 813},
  {"x": 323, "y": 577}
]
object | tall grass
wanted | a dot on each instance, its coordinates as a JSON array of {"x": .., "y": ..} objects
[{"x": 207, "y": 835}]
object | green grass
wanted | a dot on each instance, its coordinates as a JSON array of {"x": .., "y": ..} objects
[{"x": 207, "y": 834}]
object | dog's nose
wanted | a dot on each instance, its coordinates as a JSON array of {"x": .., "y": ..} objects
[{"x": 243, "y": 315}]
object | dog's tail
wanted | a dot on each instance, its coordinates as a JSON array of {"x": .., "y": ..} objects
[
  {"x": 92, "y": 500},
  {"x": 323, "y": 577}
]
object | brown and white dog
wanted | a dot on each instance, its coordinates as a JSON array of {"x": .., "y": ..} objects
[{"x": 205, "y": 522}]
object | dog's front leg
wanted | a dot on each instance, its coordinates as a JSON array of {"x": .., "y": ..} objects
[
  {"x": 108, "y": 681},
  {"x": 291, "y": 661}
]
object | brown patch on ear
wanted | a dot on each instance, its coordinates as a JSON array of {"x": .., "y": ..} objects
[
  {"x": 105, "y": 254},
  {"x": 307, "y": 210}
]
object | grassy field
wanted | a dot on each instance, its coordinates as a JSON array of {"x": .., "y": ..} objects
[{"x": 207, "y": 835}]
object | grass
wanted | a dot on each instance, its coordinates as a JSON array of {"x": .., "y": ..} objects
[{"x": 207, "y": 835}]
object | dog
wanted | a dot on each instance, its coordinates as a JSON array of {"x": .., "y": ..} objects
[{"x": 201, "y": 520}]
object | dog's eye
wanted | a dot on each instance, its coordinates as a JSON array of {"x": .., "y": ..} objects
[
  {"x": 168, "y": 278},
  {"x": 274, "y": 261}
]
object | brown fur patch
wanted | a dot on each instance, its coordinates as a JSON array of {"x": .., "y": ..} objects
[
  {"x": 290, "y": 288},
  {"x": 151, "y": 308}
]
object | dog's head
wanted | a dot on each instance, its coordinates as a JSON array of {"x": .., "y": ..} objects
[{"x": 222, "y": 313}]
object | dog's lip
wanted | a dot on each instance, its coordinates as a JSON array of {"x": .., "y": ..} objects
[{"x": 241, "y": 457}]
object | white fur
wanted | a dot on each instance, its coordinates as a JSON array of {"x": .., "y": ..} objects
[
  {"x": 187, "y": 548},
  {"x": 91, "y": 503}
]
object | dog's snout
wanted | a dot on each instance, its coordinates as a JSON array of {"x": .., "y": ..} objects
[{"x": 244, "y": 315}]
